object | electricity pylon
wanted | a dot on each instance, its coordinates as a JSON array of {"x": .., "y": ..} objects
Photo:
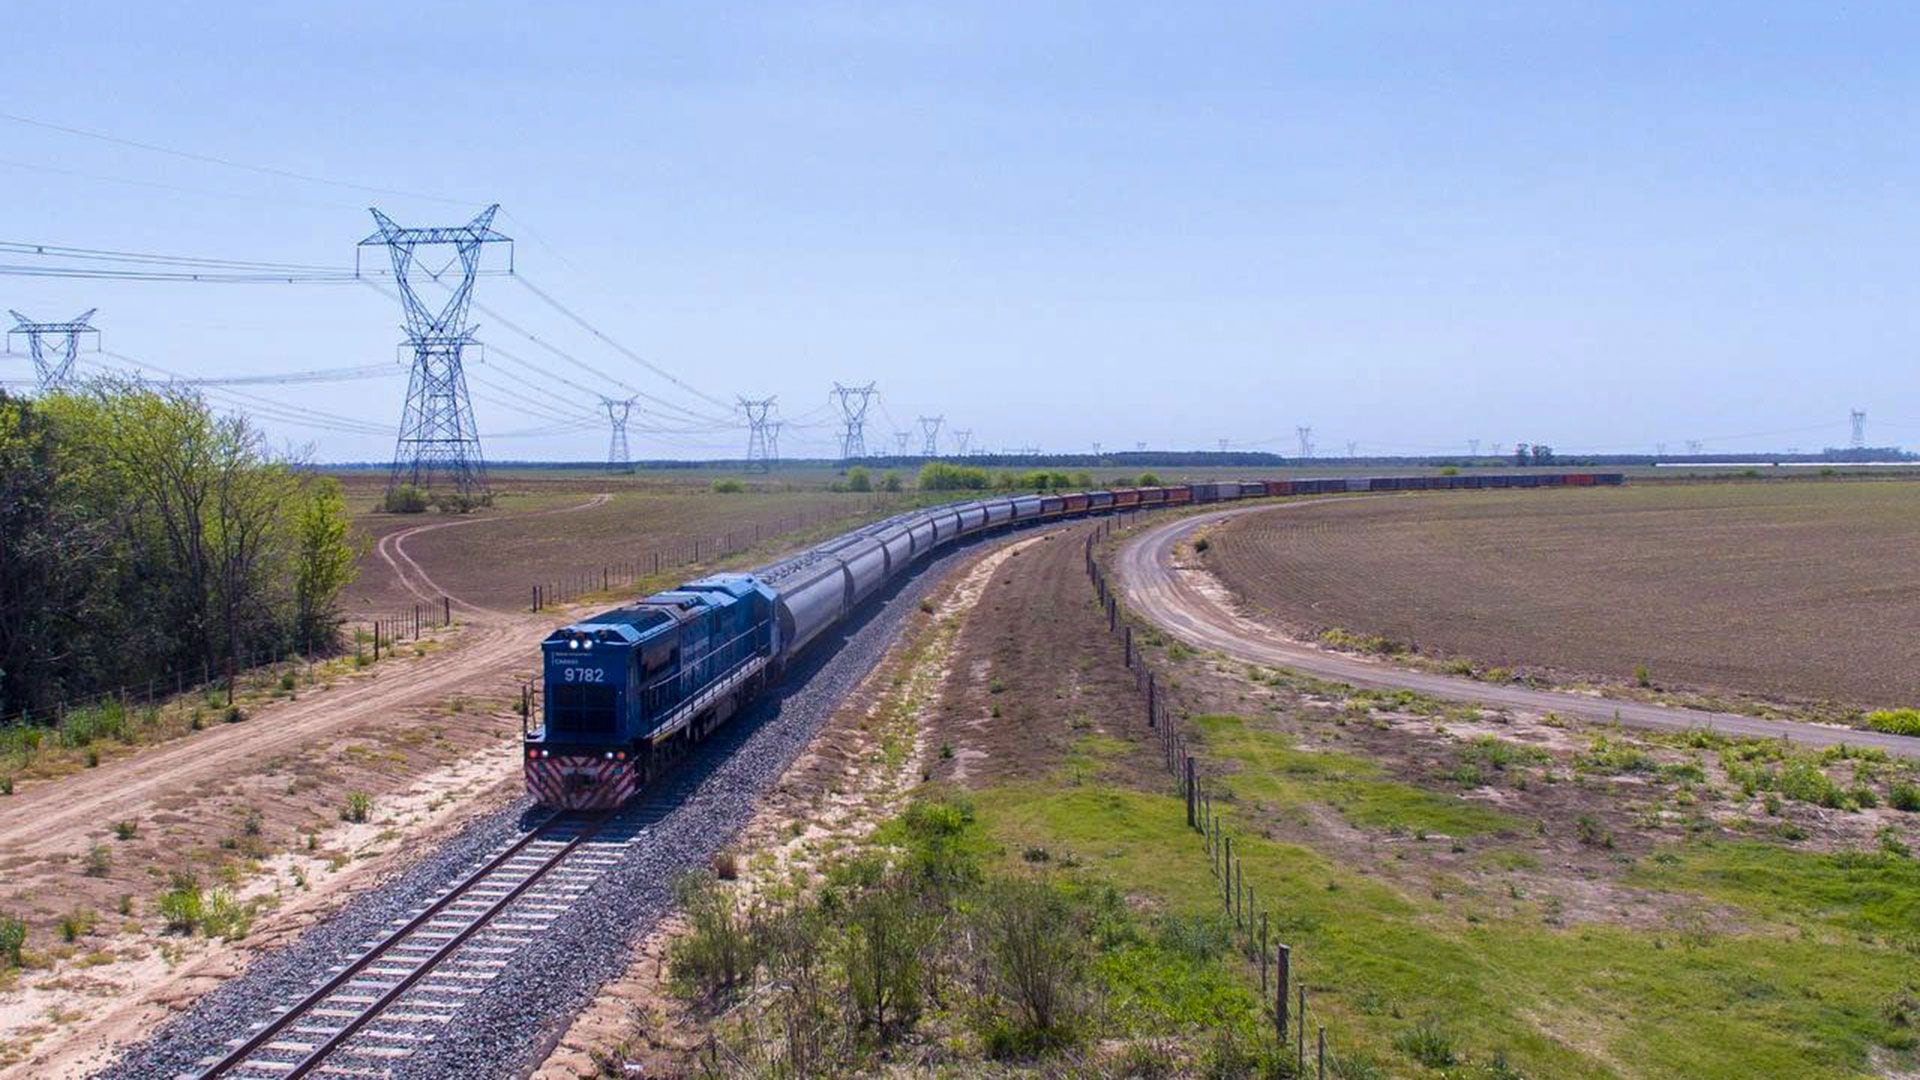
[
  {"x": 438, "y": 440},
  {"x": 759, "y": 455},
  {"x": 618, "y": 457},
  {"x": 853, "y": 407},
  {"x": 930, "y": 426},
  {"x": 1858, "y": 417},
  {"x": 1306, "y": 441},
  {"x": 54, "y": 366},
  {"x": 963, "y": 436},
  {"x": 773, "y": 440}
]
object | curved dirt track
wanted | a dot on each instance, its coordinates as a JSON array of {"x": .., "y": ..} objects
[
  {"x": 1174, "y": 596},
  {"x": 413, "y": 577}
]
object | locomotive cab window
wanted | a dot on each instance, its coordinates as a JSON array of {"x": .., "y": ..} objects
[{"x": 582, "y": 710}]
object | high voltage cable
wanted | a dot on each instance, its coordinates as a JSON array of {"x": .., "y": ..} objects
[
  {"x": 622, "y": 349},
  {"x": 208, "y": 159},
  {"x": 313, "y": 417},
  {"x": 26, "y": 247}
]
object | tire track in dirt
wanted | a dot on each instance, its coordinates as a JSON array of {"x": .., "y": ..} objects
[
  {"x": 1187, "y": 602},
  {"x": 413, "y": 577}
]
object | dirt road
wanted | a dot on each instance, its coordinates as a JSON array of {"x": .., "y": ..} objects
[{"x": 1187, "y": 602}]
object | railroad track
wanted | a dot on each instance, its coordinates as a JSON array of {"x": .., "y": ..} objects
[{"x": 367, "y": 1017}]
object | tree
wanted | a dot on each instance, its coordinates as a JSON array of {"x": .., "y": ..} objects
[
  {"x": 326, "y": 563},
  {"x": 858, "y": 479}
]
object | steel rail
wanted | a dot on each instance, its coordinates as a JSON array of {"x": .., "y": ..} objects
[{"x": 275, "y": 1027}]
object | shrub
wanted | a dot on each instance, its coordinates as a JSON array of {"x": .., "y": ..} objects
[
  {"x": 13, "y": 938},
  {"x": 883, "y": 955},
  {"x": 6, "y": 785},
  {"x": 891, "y": 481},
  {"x": 1148, "y": 479},
  {"x": 181, "y": 905},
  {"x": 1429, "y": 1044},
  {"x": 726, "y": 865},
  {"x": 286, "y": 680},
  {"x": 1904, "y": 796},
  {"x": 99, "y": 860},
  {"x": 1641, "y": 676},
  {"x": 717, "y": 952},
  {"x": 75, "y": 924},
  {"x": 1592, "y": 833},
  {"x": 126, "y": 830},
  {"x": 1451, "y": 470},
  {"x": 941, "y": 476},
  {"x": 405, "y": 499},
  {"x": 224, "y": 916},
  {"x": 234, "y": 714},
  {"x": 359, "y": 807},
  {"x": 728, "y": 487},
  {"x": 251, "y": 825},
  {"x": 1895, "y": 721},
  {"x": 1202, "y": 545},
  {"x": 859, "y": 479}
]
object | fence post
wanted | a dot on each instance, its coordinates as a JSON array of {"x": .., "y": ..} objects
[
  {"x": 1263, "y": 956},
  {"x": 656, "y": 562},
  {"x": 1128, "y": 653},
  {"x": 1190, "y": 792},
  {"x": 1226, "y": 876},
  {"x": 446, "y": 611},
  {"x": 1323, "y": 1053},
  {"x": 1151, "y": 695},
  {"x": 1282, "y": 975},
  {"x": 1300, "y": 1026},
  {"x": 536, "y": 599}
]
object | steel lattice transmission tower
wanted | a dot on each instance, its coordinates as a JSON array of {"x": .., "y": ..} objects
[
  {"x": 963, "y": 436},
  {"x": 438, "y": 441},
  {"x": 930, "y": 427},
  {"x": 900, "y": 440},
  {"x": 53, "y": 365},
  {"x": 619, "y": 459},
  {"x": 1857, "y": 416},
  {"x": 759, "y": 452},
  {"x": 773, "y": 440},
  {"x": 853, "y": 407},
  {"x": 1306, "y": 440}
]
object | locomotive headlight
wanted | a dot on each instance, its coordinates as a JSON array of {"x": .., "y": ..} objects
[
  {"x": 609, "y": 755},
  {"x": 589, "y": 644},
  {"x": 573, "y": 643}
]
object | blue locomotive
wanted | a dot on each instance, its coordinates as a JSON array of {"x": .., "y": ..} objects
[{"x": 626, "y": 691}]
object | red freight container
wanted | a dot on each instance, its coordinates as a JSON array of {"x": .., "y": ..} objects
[
  {"x": 1075, "y": 504},
  {"x": 1179, "y": 495},
  {"x": 1127, "y": 497}
]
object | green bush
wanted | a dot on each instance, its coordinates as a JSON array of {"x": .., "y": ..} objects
[
  {"x": 1148, "y": 479},
  {"x": 358, "y": 809},
  {"x": 942, "y": 476},
  {"x": 727, "y": 486},
  {"x": 182, "y": 905},
  {"x": 13, "y": 938},
  {"x": 99, "y": 861},
  {"x": 76, "y": 924},
  {"x": 858, "y": 479},
  {"x": 891, "y": 481},
  {"x": 1904, "y": 796},
  {"x": 1895, "y": 721},
  {"x": 405, "y": 499},
  {"x": 716, "y": 954}
]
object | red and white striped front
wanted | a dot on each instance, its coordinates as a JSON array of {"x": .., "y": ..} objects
[{"x": 580, "y": 781}]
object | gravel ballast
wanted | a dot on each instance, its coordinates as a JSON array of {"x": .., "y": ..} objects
[{"x": 507, "y": 1028}]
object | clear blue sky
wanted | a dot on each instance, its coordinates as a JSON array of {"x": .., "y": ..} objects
[{"x": 1596, "y": 225}]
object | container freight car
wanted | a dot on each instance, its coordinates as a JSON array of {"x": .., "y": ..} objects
[{"x": 624, "y": 692}]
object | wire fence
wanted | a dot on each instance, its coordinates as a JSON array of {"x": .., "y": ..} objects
[{"x": 1283, "y": 993}]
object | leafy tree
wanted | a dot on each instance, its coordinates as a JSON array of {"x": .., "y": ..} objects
[
  {"x": 326, "y": 564},
  {"x": 858, "y": 479}
]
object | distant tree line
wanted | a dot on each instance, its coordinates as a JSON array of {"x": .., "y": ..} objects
[{"x": 143, "y": 537}]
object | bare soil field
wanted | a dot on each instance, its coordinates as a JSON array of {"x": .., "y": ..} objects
[
  {"x": 550, "y": 529},
  {"x": 1796, "y": 591}
]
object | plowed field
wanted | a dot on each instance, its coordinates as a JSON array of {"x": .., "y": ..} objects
[{"x": 1792, "y": 590}]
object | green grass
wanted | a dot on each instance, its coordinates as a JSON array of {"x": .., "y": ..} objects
[
  {"x": 1867, "y": 892},
  {"x": 1784, "y": 994},
  {"x": 1273, "y": 770}
]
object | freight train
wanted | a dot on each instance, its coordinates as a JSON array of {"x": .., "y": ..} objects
[{"x": 627, "y": 691}]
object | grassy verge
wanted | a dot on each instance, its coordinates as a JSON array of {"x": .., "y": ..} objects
[{"x": 1808, "y": 982}]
